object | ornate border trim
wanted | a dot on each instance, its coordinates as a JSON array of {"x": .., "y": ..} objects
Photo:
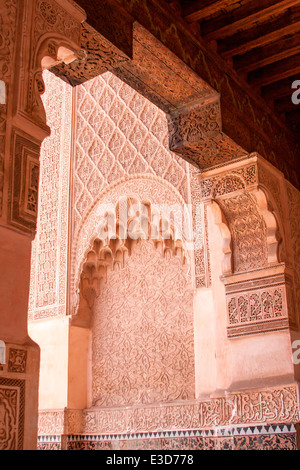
[{"x": 252, "y": 407}]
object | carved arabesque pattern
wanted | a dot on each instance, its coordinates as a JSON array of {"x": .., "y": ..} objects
[
  {"x": 12, "y": 407},
  {"x": 141, "y": 187},
  {"x": 143, "y": 349},
  {"x": 49, "y": 251},
  {"x": 119, "y": 133},
  {"x": 256, "y": 306},
  {"x": 200, "y": 228},
  {"x": 98, "y": 56},
  {"x": 249, "y": 408},
  {"x": 8, "y": 17},
  {"x": 234, "y": 180},
  {"x": 118, "y": 232},
  {"x": 248, "y": 231}
]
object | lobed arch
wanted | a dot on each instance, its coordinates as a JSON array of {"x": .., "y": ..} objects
[
  {"x": 113, "y": 241},
  {"x": 144, "y": 187}
]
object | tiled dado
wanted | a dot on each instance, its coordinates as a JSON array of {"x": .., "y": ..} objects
[
  {"x": 236, "y": 420},
  {"x": 281, "y": 437}
]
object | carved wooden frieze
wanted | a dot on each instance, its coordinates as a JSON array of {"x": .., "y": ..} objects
[
  {"x": 96, "y": 57},
  {"x": 196, "y": 134},
  {"x": 245, "y": 118}
]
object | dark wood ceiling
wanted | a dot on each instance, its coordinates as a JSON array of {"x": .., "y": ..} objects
[{"x": 260, "y": 39}]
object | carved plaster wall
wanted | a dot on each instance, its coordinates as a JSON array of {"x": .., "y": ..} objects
[
  {"x": 248, "y": 200},
  {"x": 142, "y": 346},
  {"x": 119, "y": 133},
  {"x": 121, "y": 136},
  {"x": 50, "y": 247}
]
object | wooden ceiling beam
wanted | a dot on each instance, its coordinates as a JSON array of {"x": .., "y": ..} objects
[
  {"x": 274, "y": 72},
  {"x": 285, "y": 105},
  {"x": 244, "y": 41},
  {"x": 244, "y": 19},
  {"x": 273, "y": 52},
  {"x": 278, "y": 89},
  {"x": 293, "y": 118},
  {"x": 293, "y": 121},
  {"x": 196, "y": 10}
]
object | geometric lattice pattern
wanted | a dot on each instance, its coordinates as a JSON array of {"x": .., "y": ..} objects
[
  {"x": 12, "y": 406},
  {"x": 119, "y": 133}
]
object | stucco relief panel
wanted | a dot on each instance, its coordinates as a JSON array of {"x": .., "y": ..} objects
[
  {"x": 142, "y": 187},
  {"x": 120, "y": 136},
  {"x": 248, "y": 231},
  {"x": 119, "y": 133},
  {"x": 49, "y": 255},
  {"x": 143, "y": 349}
]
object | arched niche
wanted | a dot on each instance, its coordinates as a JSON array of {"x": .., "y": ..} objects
[{"x": 143, "y": 188}]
